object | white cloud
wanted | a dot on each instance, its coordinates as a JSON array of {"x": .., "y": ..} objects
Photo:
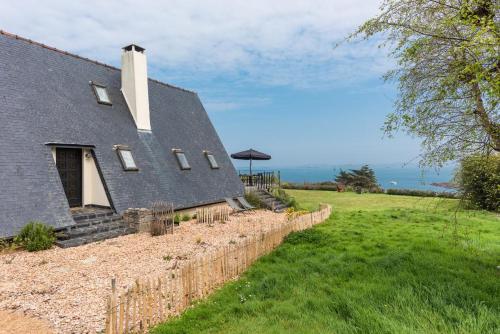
[
  {"x": 276, "y": 42},
  {"x": 216, "y": 103}
]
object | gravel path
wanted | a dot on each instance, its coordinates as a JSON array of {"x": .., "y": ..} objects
[
  {"x": 67, "y": 287},
  {"x": 14, "y": 322}
]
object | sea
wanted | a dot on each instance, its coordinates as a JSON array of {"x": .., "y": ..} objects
[{"x": 388, "y": 176}]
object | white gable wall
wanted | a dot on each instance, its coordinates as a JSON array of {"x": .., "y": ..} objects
[{"x": 93, "y": 189}]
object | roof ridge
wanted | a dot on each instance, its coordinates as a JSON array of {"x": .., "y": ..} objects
[{"x": 51, "y": 48}]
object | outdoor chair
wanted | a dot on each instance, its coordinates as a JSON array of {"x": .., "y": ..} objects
[
  {"x": 235, "y": 206},
  {"x": 245, "y": 203}
]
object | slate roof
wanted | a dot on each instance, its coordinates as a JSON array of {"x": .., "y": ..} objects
[{"x": 45, "y": 97}]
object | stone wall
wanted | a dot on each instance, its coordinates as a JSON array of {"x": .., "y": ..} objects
[{"x": 139, "y": 219}]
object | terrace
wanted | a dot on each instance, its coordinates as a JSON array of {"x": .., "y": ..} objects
[{"x": 262, "y": 180}]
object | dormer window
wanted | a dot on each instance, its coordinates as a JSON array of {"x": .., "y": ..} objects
[
  {"x": 126, "y": 158},
  {"x": 181, "y": 159},
  {"x": 101, "y": 93},
  {"x": 211, "y": 160}
]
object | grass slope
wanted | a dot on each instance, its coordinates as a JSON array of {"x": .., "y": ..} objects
[{"x": 380, "y": 264}]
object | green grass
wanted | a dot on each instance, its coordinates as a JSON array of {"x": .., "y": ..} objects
[{"x": 380, "y": 264}]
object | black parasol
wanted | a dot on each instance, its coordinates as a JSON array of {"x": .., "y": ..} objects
[{"x": 250, "y": 154}]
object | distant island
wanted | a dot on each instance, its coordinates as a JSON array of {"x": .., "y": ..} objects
[{"x": 447, "y": 185}]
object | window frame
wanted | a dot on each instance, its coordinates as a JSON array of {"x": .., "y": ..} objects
[
  {"x": 207, "y": 154},
  {"x": 119, "y": 150},
  {"x": 94, "y": 89},
  {"x": 178, "y": 151}
]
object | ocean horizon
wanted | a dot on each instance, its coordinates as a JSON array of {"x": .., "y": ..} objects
[{"x": 389, "y": 176}]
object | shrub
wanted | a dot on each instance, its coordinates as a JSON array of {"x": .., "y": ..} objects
[
  {"x": 286, "y": 199},
  {"x": 177, "y": 219},
  {"x": 185, "y": 217},
  {"x": 376, "y": 190},
  {"x": 254, "y": 200},
  {"x": 292, "y": 213},
  {"x": 479, "y": 180},
  {"x": 36, "y": 236},
  {"x": 158, "y": 228},
  {"x": 420, "y": 193}
]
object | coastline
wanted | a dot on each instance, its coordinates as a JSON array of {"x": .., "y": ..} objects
[{"x": 388, "y": 176}]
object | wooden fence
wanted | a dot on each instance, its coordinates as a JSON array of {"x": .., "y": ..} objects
[
  {"x": 211, "y": 215},
  {"x": 152, "y": 301},
  {"x": 261, "y": 179}
]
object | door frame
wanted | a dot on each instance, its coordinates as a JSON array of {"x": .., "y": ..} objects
[{"x": 54, "y": 145}]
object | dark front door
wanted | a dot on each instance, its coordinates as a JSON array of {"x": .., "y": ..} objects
[{"x": 69, "y": 165}]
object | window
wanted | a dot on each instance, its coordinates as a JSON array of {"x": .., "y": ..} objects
[
  {"x": 211, "y": 160},
  {"x": 101, "y": 94},
  {"x": 127, "y": 159},
  {"x": 181, "y": 158}
]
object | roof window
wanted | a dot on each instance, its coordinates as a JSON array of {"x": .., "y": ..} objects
[
  {"x": 101, "y": 93},
  {"x": 126, "y": 158},
  {"x": 211, "y": 160},
  {"x": 181, "y": 159}
]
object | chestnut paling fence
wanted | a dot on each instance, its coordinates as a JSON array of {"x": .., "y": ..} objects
[
  {"x": 211, "y": 215},
  {"x": 152, "y": 301}
]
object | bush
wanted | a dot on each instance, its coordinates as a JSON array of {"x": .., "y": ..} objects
[
  {"x": 36, "y": 236},
  {"x": 254, "y": 200},
  {"x": 420, "y": 193},
  {"x": 479, "y": 181},
  {"x": 376, "y": 190},
  {"x": 286, "y": 199},
  {"x": 185, "y": 217},
  {"x": 158, "y": 228}
]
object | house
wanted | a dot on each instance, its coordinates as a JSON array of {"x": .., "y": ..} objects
[{"x": 77, "y": 133}]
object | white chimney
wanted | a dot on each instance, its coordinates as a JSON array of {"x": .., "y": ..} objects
[{"x": 135, "y": 85}]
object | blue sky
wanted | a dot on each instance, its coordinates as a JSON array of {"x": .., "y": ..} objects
[{"x": 268, "y": 74}]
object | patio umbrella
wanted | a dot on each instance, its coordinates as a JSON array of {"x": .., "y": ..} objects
[{"x": 250, "y": 154}]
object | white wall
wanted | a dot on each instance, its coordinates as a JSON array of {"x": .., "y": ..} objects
[{"x": 93, "y": 189}]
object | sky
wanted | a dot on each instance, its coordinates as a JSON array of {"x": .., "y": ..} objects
[{"x": 271, "y": 74}]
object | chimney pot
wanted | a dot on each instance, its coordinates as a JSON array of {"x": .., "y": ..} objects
[{"x": 134, "y": 47}]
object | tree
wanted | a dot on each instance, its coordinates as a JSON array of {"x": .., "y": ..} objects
[
  {"x": 448, "y": 67},
  {"x": 363, "y": 178},
  {"x": 479, "y": 180}
]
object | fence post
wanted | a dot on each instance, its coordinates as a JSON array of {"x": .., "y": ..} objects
[
  {"x": 107, "y": 327},
  {"x": 114, "y": 314}
]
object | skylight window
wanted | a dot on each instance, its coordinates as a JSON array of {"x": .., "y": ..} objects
[
  {"x": 211, "y": 160},
  {"x": 181, "y": 158},
  {"x": 101, "y": 93},
  {"x": 126, "y": 158}
]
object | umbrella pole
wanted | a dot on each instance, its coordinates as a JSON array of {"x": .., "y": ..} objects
[{"x": 251, "y": 177}]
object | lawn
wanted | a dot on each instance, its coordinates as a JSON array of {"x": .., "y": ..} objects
[{"x": 380, "y": 264}]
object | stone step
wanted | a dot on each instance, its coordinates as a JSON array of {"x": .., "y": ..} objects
[
  {"x": 93, "y": 229},
  {"x": 265, "y": 198},
  {"x": 97, "y": 226},
  {"x": 97, "y": 221},
  {"x": 270, "y": 201},
  {"x": 87, "y": 216},
  {"x": 74, "y": 242}
]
